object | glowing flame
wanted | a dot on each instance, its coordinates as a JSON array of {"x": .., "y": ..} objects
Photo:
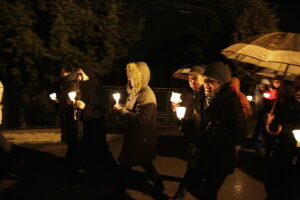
[
  {"x": 72, "y": 95},
  {"x": 297, "y": 136},
  {"x": 117, "y": 97},
  {"x": 267, "y": 95},
  {"x": 175, "y": 98},
  {"x": 180, "y": 112},
  {"x": 250, "y": 98},
  {"x": 53, "y": 96}
]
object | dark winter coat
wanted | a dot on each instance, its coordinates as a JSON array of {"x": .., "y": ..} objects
[
  {"x": 222, "y": 127},
  {"x": 282, "y": 175},
  {"x": 139, "y": 116},
  {"x": 87, "y": 134}
]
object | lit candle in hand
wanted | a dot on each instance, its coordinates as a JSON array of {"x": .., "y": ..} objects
[
  {"x": 117, "y": 97},
  {"x": 250, "y": 98},
  {"x": 297, "y": 136},
  {"x": 53, "y": 96},
  {"x": 180, "y": 112},
  {"x": 175, "y": 98},
  {"x": 72, "y": 96}
]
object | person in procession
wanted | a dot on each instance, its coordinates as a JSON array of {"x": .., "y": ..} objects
[
  {"x": 138, "y": 116},
  {"x": 188, "y": 123},
  {"x": 283, "y": 169},
  {"x": 221, "y": 127},
  {"x": 83, "y": 122}
]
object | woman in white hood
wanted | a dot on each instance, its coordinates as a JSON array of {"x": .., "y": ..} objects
[{"x": 139, "y": 116}]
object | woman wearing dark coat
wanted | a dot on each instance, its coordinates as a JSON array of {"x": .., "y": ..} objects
[
  {"x": 221, "y": 127},
  {"x": 139, "y": 116},
  {"x": 83, "y": 121}
]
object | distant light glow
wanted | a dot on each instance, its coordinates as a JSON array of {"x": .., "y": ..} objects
[{"x": 267, "y": 95}]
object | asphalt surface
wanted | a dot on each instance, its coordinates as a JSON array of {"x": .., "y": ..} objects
[{"x": 38, "y": 175}]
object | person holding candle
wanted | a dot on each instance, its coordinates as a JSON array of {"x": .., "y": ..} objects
[
  {"x": 221, "y": 127},
  {"x": 83, "y": 121},
  {"x": 190, "y": 121},
  {"x": 138, "y": 116},
  {"x": 283, "y": 163}
]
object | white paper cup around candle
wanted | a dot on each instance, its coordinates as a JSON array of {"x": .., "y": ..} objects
[
  {"x": 53, "y": 96},
  {"x": 175, "y": 98},
  {"x": 297, "y": 136},
  {"x": 180, "y": 112},
  {"x": 250, "y": 98},
  {"x": 117, "y": 97},
  {"x": 72, "y": 96}
]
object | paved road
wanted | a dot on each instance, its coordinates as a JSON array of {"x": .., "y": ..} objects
[{"x": 244, "y": 184}]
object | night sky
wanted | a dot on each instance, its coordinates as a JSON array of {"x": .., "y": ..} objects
[{"x": 164, "y": 24}]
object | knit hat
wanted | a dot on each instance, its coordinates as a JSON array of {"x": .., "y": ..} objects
[
  {"x": 218, "y": 71},
  {"x": 197, "y": 70}
]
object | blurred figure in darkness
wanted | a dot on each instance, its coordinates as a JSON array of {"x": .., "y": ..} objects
[
  {"x": 283, "y": 172},
  {"x": 260, "y": 111},
  {"x": 83, "y": 122}
]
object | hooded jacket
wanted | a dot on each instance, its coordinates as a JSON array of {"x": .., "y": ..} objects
[
  {"x": 235, "y": 83},
  {"x": 139, "y": 116}
]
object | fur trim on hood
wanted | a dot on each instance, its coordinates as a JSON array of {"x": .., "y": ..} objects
[{"x": 140, "y": 74}]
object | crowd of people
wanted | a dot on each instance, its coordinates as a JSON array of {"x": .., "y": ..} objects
[{"x": 214, "y": 127}]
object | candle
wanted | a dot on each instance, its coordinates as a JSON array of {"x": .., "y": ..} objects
[
  {"x": 72, "y": 96},
  {"x": 53, "y": 96},
  {"x": 175, "y": 98},
  {"x": 297, "y": 136},
  {"x": 180, "y": 112},
  {"x": 117, "y": 97},
  {"x": 250, "y": 98},
  {"x": 267, "y": 95}
]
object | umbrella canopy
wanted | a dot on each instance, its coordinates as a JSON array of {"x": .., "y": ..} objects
[
  {"x": 272, "y": 74},
  {"x": 279, "y": 51},
  {"x": 182, "y": 73}
]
